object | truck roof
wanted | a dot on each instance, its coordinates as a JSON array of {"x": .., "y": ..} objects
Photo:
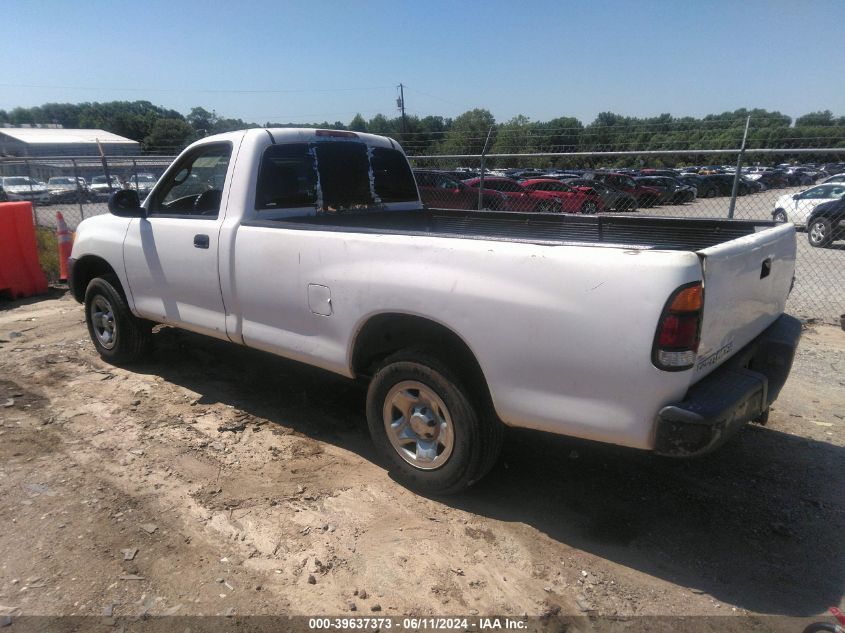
[{"x": 305, "y": 135}]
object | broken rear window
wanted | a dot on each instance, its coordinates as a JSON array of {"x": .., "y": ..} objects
[{"x": 332, "y": 176}]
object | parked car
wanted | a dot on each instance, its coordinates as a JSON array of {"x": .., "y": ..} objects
[
  {"x": 613, "y": 199},
  {"x": 3, "y": 195},
  {"x": 748, "y": 185},
  {"x": 316, "y": 248},
  {"x": 143, "y": 183},
  {"x": 672, "y": 190},
  {"x": 645, "y": 196},
  {"x": 440, "y": 190},
  {"x": 774, "y": 179},
  {"x": 826, "y": 223},
  {"x": 797, "y": 207},
  {"x": 519, "y": 198},
  {"x": 100, "y": 187},
  {"x": 67, "y": 189},
  {"x": 717, "y": 185},
  {"x": 572, "y": 199},
  {"x": 835, "y": 178},
  {"x": 25, "y": 188}
]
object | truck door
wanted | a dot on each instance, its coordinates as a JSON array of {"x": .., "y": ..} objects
[{"x": 171, "y": 255}]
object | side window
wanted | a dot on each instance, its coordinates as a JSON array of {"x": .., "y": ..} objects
[
  {"x": 392, "y": 177},
  {"x": 286, "y": 178},
  {"x": 195, "y": 186},
  {"x": 816, "y": 193}
]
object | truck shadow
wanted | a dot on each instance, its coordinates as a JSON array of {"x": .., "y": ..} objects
[{"x": 757, "y": 524}]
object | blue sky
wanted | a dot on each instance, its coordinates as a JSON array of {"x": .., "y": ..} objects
[{"x": 312, "y": 61}]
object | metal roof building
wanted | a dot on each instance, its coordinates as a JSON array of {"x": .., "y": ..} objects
[{"x": 52, "y": 141}]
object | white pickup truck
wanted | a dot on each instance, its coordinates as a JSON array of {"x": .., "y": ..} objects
[{"x": 662, "y": 334}]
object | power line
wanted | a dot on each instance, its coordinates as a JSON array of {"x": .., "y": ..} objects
[{"x": 197, "y": 90}]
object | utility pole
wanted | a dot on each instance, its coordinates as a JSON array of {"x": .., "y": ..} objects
[
  {"x": 481, "y": 181},
  {"x": 735, "y": 188},
  {"x": 400, "y": 103}
]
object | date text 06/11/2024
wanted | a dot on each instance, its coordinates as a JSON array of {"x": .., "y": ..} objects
[{"x": 416, "y": 623}]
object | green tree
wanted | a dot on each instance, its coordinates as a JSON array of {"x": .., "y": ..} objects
[
  {"x": 468, "y": 133},
  {"x": 358, "y": 124},
  {"x": 168, "y": 135}
]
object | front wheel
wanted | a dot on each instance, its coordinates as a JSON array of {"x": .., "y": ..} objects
[
  {"x": 118, "y": 335},
  {"x": 821, "y": 627},
  {"x": 548, "y": 206},
  {"x": 424, "y": 422},
  {"x": 819, "y": 233}
]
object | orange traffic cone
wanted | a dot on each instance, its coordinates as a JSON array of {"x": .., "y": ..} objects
[{"x": 65, "y": 245}]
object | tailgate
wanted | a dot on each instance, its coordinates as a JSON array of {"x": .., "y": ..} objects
[{"x": 746, "y": 284}]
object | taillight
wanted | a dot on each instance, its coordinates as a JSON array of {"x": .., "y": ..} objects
[{"x": 679, "y": 330}]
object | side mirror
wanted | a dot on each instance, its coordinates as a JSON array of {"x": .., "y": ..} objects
[
  {"x": 795, "y": 196},
  {"x": 126, "y": 204}
]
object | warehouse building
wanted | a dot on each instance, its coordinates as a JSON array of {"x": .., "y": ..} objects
[{"x": 33, "y": 142}]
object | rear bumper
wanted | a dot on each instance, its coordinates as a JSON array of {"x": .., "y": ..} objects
[{"x": 739, "y": 391}]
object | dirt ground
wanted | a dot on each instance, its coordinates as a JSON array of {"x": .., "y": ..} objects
[{"x": 220, "y": 480}]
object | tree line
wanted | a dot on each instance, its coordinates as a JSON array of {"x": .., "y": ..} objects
[{"x": 166, "y": 131}]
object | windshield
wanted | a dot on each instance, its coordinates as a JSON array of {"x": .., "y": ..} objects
[
  {"x": 61, "y": 181},
  {"x": 15, "y": 181}
]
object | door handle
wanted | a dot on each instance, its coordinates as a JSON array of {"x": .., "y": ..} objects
[{"x": 201, "y": 241}]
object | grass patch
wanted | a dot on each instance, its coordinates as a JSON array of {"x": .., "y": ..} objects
[{"x": 48, "y": 252}]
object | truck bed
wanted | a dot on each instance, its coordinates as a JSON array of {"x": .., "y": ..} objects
[{"x": 617, "y": 231}]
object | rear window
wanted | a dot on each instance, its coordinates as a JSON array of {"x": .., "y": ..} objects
[
  {"x": 332, "y": 176},
  {"x": 394, "y": 181}
]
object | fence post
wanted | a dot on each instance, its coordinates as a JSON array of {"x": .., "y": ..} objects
[
  {"x": 31, "y": 192},
  {"x": 78, "y": 189},
  {"x": 738, "y": 166},
  {"x": 481, "y": 182},
  {"x": 135, "y": 171}
]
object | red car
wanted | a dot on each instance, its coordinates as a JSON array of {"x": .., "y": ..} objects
[
  {"x": 441, "y": 191},
  {"x": 645, "y": 196},
  {"x": 578, "y": 199},
  {"x": 519, "y": 198}
]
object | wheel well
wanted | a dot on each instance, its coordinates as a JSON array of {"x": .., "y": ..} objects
[
  {"x": 385, "y": 334},
  {"x": 86, "y": 269}
]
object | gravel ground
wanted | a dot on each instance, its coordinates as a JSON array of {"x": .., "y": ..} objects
[{"x": 218, "y": 480}]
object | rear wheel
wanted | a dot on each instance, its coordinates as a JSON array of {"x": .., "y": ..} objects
[
  {"x": 118, "y": 335},
  {"x": 589, "y": 207},
  {"x": 426, "y": 424},
  {"x": 820, "y": 233},
  {"x": 779, "y": 215}
]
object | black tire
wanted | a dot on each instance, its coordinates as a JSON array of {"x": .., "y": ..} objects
[
  {"x": 589, "y": 207},
  {"x": 548, "y": 206},
  {"x": 820, "y": 232},
  {"x": 476, "y": 433},
  {"x": 118, "y": 335},
  {"x": 779, "y": 215},
  {"x": 820, "y": 627}
]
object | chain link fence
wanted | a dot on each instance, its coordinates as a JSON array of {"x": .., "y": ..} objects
[
  {"x": 786, "y": 189},
  {"x": 773, "y": 183}
]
